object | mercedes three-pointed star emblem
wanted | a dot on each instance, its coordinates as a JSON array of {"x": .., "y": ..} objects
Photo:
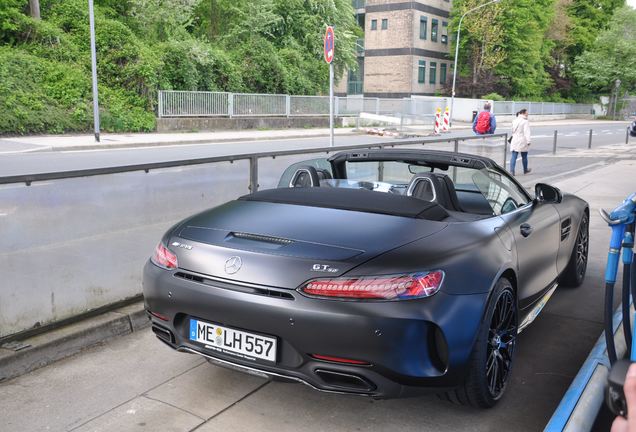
[{"x": 233, "y": 264}]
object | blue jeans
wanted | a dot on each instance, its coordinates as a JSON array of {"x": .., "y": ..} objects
[{"x": 513, "y": 161}]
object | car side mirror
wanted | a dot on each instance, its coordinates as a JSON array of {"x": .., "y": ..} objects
[{"x": 544, "y": 193}]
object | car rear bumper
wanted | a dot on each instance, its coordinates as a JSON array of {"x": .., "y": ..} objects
[{"x": 409, "y": 347}]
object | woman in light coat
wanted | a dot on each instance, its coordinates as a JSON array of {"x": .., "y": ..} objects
[{"x": 520, "y": 141}]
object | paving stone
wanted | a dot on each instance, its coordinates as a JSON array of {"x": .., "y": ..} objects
[
  {"x": 142, "y": 414},
  {"x": 206, "y": 390}
]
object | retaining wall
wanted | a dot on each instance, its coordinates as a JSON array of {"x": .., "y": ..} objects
[{"x": 199, "y": 124}]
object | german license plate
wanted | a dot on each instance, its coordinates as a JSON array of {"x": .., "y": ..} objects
[{"x": 239, "y": 343}]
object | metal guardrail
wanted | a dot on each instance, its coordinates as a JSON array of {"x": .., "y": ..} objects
[
  {"x": 253, "y": 159},
  {"x": 222, "y": 104}
]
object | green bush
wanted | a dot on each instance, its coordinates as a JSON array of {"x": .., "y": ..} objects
[
  {"x": 40, "y": 96},
  {"x": 493, "y": 96},
  {"x": 194, "y": 65},
  {"x": 124, "y": 111},
  {"x": 146, "y": 46}
]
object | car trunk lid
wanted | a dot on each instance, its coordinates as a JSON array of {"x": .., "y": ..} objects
[{"x": 284, "y": 245}]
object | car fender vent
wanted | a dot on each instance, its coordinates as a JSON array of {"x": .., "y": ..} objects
[
  {"x": 566, "y": 227},
  {"x": 264, "y": 291}
]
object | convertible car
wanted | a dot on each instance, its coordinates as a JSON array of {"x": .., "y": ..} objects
[{"x": 383, "y": 273}]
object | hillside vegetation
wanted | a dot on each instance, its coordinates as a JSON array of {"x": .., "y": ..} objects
[
  {"x": 264, "y": 46},
  {"x": 558, "y": 50}
]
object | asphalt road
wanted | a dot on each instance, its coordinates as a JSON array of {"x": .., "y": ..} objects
[
  {"x": 570, "y": 137},
  {"x": 136, "y": 383}
]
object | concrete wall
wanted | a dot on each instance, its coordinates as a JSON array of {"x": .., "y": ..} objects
[
  {"x": 172, "y": 124},
  {"x": 72, "y": 245}
]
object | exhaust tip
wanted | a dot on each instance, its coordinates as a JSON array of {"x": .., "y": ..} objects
[
  {"x": 163, "y": 333},
  {"x": 345, "y": 381}
]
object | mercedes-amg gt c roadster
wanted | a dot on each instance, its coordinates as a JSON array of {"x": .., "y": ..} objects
[{"x": 383, "y": 273}]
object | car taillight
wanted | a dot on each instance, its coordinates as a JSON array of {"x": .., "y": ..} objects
[
  {"x": 164, "y": 258},
  {"x": 397, "y": 287}
]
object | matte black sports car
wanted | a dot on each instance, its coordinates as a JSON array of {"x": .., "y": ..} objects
[{"x": 380, "y": 272}]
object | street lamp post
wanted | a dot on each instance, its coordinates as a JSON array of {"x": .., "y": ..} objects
[
  {"x": 91, "y": 17},
  {"x": 459, "y": 28}
]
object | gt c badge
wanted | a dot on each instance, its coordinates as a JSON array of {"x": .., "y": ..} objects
[
  {"x": 233, "y": 264},
  {"x": 323, "y": 268},
  {"x": 181, "y": 245}
]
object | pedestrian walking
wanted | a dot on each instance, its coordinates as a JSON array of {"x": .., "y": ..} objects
[
  {"x": 520, "y": 141},
  {"x": 485, "y": 122}
]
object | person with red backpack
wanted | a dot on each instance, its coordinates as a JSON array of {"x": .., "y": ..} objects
[{"x": 485, "y": 122}]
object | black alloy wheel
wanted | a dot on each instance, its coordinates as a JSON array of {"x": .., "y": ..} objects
[
  {"x": 491, "y": 362},
  {"x": 502, "y": 337},
  {"x": 582, "y": 245},
  {"x": 574, "y": 272}
]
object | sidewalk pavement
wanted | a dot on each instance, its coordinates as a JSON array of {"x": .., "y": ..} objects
[
  {"x": 108, "y": 140},
  {"x": 87, "y": 141}
]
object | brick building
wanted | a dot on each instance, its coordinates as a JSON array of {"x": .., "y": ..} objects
[{"x": 405, "y": 49}]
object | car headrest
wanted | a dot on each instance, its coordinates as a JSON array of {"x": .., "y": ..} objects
[
  {"x": 424, "y": 186},
  {"x": 434, "y": 187},
  {"x": 305, "y": 176}
]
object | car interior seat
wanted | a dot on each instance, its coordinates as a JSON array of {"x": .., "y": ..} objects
[{"x": 434, "y": 187}]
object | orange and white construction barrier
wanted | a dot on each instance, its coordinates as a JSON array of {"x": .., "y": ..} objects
[
  {"x": 438, "y": 121},
  {"x": 446, "y": 121}
]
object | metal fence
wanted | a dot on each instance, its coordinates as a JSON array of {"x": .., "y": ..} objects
[
  {"x": 540, "y": 108},
  {"x": 220, "y": 104}
]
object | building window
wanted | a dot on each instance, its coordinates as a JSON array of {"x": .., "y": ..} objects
[
  {"x": 421, "y": 71},
  {"x": 434, "y": 26},
  {"x": 432, "y": 73},
  {"x": 374, "y": 24},
  {"x": 442, "y": 73},
  {"x": 423, "y": 22},
  {"x": 385, "y": 23},
  {"x": 444, "y": 32}
]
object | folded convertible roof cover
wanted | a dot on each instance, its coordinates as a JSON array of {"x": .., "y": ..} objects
[{"x": 361, "y": 200}]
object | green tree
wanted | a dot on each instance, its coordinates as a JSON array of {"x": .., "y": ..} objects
[
  {"x": 612, "y": 56},
  {"x": 575, "y": 26},
  {"x": 505, "y": 46},
  {"x": 278, "y": 43}
]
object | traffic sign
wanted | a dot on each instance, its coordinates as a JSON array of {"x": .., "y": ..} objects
[{"x": 329, "y": 45}]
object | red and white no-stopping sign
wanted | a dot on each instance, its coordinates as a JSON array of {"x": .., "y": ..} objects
[{"x": 329, "y": 44}]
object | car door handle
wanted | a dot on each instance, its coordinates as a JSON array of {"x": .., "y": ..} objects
[{"x": 525, "y": 229}]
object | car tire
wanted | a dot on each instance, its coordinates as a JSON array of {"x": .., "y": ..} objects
[
  {"x": 492, "y": 358},
  {"x": 574, "y": 272}
]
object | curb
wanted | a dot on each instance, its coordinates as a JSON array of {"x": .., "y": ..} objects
[{"x": 18, "y": 358}]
